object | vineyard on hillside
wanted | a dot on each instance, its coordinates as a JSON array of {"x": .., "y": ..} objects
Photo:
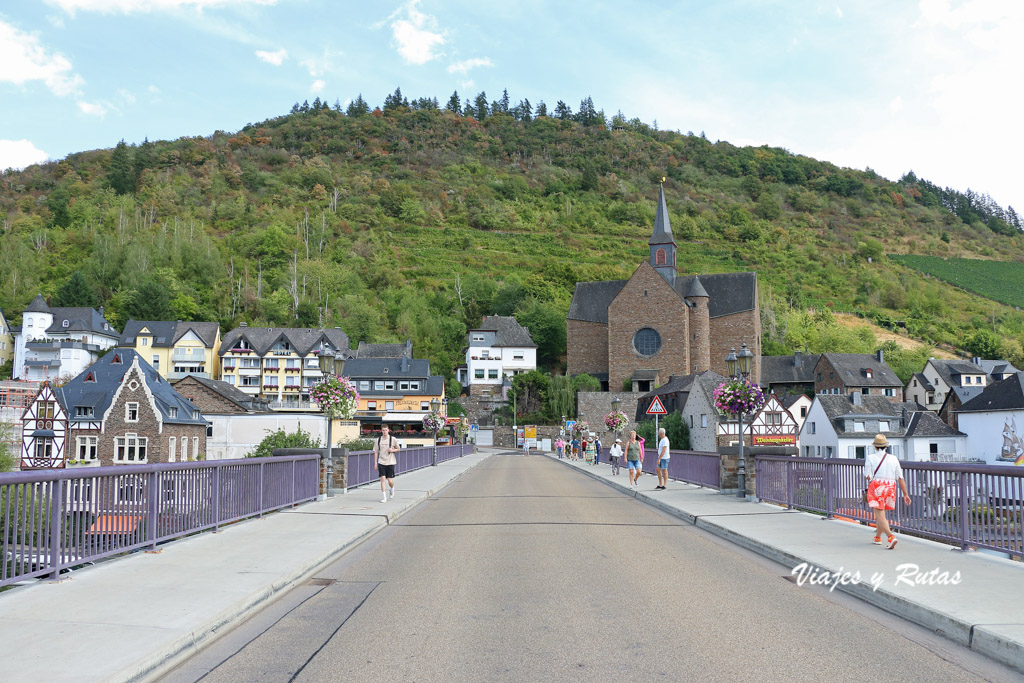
[{"x": 1000, "y": 281}]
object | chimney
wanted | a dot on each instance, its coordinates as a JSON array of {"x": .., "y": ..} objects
[
  {"x": 798, "y": 359},
  {"x": 903, "y": 419},
  {"x": 879, "y": 354},
  {"x": 976, "y": 359},
  {"x": 101, "y": 311},
  {"x": 855, "y": 397}
]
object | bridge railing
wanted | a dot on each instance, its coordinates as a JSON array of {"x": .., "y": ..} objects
[
  {"x": 362, "y": 469},
  {"x": 52, "y": 520},
  {"x": 961, "y": 504},
  {"x": 693, "y": 467}
]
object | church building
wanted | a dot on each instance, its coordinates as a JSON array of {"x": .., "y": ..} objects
[{"x": 657, "y": 323}]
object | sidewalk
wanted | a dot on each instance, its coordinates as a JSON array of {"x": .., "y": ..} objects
[
  {"x": 983, "y": 611},
  {"x": 137, "y": 616}
]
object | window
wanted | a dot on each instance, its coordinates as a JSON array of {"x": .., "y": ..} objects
[
  {"x": 703, "y": 421},
  {"x": 803, "y": 411},
  {"x": 819, "y": 376},
  {"x": 172, "y": 412},
  {"x": 478, "y": 337},
  {"x": 156, "y": 362},
  {"x": 869, "y": 373},
  {"x": 209, "y": 431},
  {"x": 270, "y": 381},
  {"x": 230, "y": 379},
  {"x": 86, "y": 448},
  {"x": 933, "y": 451},
  {"x": 389, "y": 386},
  {"x": 691, "y": 421},
  {"x": 364, "y": 385},
  {"x": 478, "y": 373},
  {"x": 271, "y": 364},
  {"x": 250, "y": 362},
  {"x": 389, "y": 405},
  {"x": 292, "y": 364},
  {"x": 859, "y": 452},
  {"x": 647, "y": 341},
  {"x": 371, "y": 405},
  {"x": 915, "y": 382},
  {"x": 492, "y": 373},
  {"x": 144, "y": 340},
  {"x": 890, "y": 391},
  {"x": 414, "y": 386},
  {"x": 83, "y": 411},
  {"x": 773, "y": 418},
  {"x": 291, "y": 381},
  {"x": 378, "y": 385},
  {"x": 64, "y": 323},
  {"x": 172, "y": 443},
  {"x": 195, "y": 446},
  {"x": 883, "y": 425},
  {"x": 131, "y": 412},
  {"x": 403, "y": 386},
  {"x": 812, "y": 429},
  {"x": 130, "y": 448},
  {"x": 517, "y": 355},
  {"x": 831, "y": 375},
  {"x": 196, "y": 415},
  {"x": 424, "y": 405},
  {"x": 858, "y": 425},
  {"x": 184, "y": 449},
  {"x": 865, "y": 390},
  {"x": 659, "y": 257},
  {"x": 250, "y": 381}
]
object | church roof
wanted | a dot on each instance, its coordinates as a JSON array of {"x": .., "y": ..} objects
[
  {"x": 696, "y": 289},
  {"x": 662, "y": 228},
  {"x": 727, "y": 293}
]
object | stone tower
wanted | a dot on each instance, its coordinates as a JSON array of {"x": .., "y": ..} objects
[
  {"x": 700, "y": 326},
  {"x": 662, "y": 243}
]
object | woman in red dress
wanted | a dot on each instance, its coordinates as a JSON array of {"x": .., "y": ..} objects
[{"x": 884, "y": 473}]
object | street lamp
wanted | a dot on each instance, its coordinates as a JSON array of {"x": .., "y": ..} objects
[
  {"x": 738, "y": 365},
  {"x": 330, "y": 364},
  {"x": 435, "y": 408},
  {"x": 615, "y": 409}
]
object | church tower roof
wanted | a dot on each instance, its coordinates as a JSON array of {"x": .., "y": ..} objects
[
  {"x": 38, "y": 305},
  {"x": 696, "y": 289},
  {"x": 662, "y": 228}
]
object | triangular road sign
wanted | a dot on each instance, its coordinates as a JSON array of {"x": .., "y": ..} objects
[{"x": 656, "y": 407}]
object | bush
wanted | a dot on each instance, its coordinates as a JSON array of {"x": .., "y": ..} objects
[
  {"x": 676, "y": 429},
  {"x": 282, "y": 439}
]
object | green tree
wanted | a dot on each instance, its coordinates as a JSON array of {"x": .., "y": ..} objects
[
  {"x": 357, "y": 107},
  {"x": 120, "y": 174},
  {"x": 282, "y": 439},
  {"x": 77, "y": 291},
  {"x": 480, "y": 110},
  {"x": 454, "y": 103},
  {"x": 546, "y": 323},
  {"x": 983, "y": 344},
  {"x": 676, "y": 429},
  {"x": 561, "y": 397},
  {"x": 150, "y": 301}
]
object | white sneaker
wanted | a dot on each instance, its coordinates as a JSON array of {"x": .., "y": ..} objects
[
  {"x": 391, "y": 492},
  {"x": 383, "y": 497}
]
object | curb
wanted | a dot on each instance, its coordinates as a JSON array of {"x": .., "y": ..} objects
[
  {"x": 154, "y": 665},
  {"x": 975, "y": 637}
]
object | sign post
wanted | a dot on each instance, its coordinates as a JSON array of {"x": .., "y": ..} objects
[{"x": 656, "y": 408}]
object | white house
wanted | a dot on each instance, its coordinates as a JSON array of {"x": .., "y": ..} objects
[
  {"x": 844, "y": 427},
  {"x": 59, "y": 342},
  {"x": 499, "y": 348},
  {"x": 930, "y": 386},
  {"x": 994, "y": 421}
]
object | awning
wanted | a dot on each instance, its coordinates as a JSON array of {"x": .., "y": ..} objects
[
  {"x": 115, "y": 524},
  {"x": 403, "y": 417},
  {"x": 43, "y": 432}
]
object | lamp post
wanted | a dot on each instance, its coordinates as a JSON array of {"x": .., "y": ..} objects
[
  {"x": 435, "y": 408},
  {"x": 615, "y": 409},
  {"x": 330, "y": 364},
  {"x": 738, "y": 365}
]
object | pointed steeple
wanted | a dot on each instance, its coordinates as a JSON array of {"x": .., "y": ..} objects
[
  {"x": 696, "y": 289},
  {"x": 38, "y": 305},
  {"x": 662, "y": 244}
]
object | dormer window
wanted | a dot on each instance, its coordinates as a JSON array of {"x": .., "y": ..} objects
[
  {"x": 64, "y": 323},
  {"x": 172, "y": 412},
  {"x": 967, "y": 380},
  {"x": 90, "y": 378},
  {"x": 83, "y": 411},
  {"x": 869, "y": 373}
]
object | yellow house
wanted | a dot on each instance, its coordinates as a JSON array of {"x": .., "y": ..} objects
[
  {"x": 6, "y": 340},
  {"x": 176, "y": 349}
]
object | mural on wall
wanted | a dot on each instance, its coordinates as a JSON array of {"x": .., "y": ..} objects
[{"x": 1013, "y": 444}]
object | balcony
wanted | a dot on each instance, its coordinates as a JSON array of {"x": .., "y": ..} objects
[
  {"x": 178, "y": 375},
  {"x": 192, "y": 355},
  {"x": 293, "y": 405},
  {"x": 291, "y": 387}
]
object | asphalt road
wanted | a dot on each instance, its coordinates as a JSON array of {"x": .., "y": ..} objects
[{"x": 523, "y": 570}]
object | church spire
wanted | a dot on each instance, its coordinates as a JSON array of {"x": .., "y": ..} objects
[{"x": 662, "y": 244}]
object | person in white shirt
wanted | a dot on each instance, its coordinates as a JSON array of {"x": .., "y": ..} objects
[
  {"x": 614, "y": 453},
  {"x": 663, "y": 457},
  {"x": 883, "y": 473}
]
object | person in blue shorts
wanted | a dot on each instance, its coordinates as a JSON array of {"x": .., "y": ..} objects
[
  {"x": 663, "y": 457},
  {"x": 633, "y": 459}
]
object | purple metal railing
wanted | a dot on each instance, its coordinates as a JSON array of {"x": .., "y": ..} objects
[
  {"x": 693, "y": 467},
  {"x": 55, "y": 519},
  {"x": 362, "y": 470},
  {"x": 992, "y": 495}
]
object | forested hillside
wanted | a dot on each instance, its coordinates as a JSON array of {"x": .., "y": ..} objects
[{"x": 413, "y": 221}]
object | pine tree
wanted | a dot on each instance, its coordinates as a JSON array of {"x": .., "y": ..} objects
[
  {"x": 481, "y": 106},
  {"x": 469, "y": 110},
  {"x": 542, "y": 109},
  {"x": 523, "y": 110},
  {"x": 76, "y": 292},
  {"x": 562, "y": 111},
  {"x": 454, "y": 104},
  {"x": 357, "y": 107},
  {"x": 504, "y": 102},
  {"x": 120, "y": 174},
  {"x": 395, "y": 100}
]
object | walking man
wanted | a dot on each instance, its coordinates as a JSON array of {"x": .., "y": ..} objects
[
  {"x": 663, "y": 456},
  {"x": 384, "y": 455},
  {"x": 614, "y": 453},
  {"x": 597, "y": 449}
]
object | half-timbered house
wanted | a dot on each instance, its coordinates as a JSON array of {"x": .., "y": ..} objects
[{"x": 773, "y": 426}]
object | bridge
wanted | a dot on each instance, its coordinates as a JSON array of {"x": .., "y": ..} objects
[{"x": 493, "y": 566}]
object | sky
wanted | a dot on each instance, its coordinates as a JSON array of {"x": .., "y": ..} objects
[{"x": 930, "y": 86}]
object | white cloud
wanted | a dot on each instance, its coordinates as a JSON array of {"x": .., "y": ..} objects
[
  {"x": 275, "y": 58},
  {"x": 131, "y": 6},
  {"x": 317, "y": 86},
  {"x": 126, "y": 96},
  {"x": 92, "y": 108},
  {"x": 318, "y": 66},
  {"x": 23, "y": 59},
  {"x": 153, "y": 90},
  {"x": 18, "y": 154},
  {"x": 839, "y": 11},
  {"x": 416, "y": 34},
  {"x": 466, "y": 85},
  {"x": 465, "y": 65}
]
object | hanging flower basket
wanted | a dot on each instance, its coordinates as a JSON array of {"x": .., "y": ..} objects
[
  {"x": 433, "y": 422},
  {"x": 616, "y": 421},
  {"x": 738, "y": 396},
  {"x": 336, "y": 396},
  {"x": 580, "y": 428}
]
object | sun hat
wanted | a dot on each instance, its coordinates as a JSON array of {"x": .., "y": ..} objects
[
  {"x": 880, "y": 441},
  {"x": 618, "y": 440}
]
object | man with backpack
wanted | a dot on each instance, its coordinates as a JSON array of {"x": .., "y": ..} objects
[{"x": 384, "y": 450}]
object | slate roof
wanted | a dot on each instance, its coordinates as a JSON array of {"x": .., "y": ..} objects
[
  {"x": 995, "y": 367},
  {"x": 783, "y": 369},
  {"x": 696, "y": 289},
  {"x": 927, "y": 423},
  {"x": 948, "y": 369},
  {"x": 838, "y": 407},
  {"x": 80, "y": 319},
  {"x": 507, "y": 331},
  {"x": 108, "y": 373},
  {"x": 231, "y": 393},
  {"x": 302, "y": 340},
  {"x": 965, "y": 394},
  {"x": 727, "y": 293},
  {"x": 787, "y": 400},
  {"x": 398, "y": 369},
  {"x": 365, "y": 350},
  {"x": 662, "y": 233},
  {"x": 166, "y": 334},
  {"x": 675, "y": 384},
  {"x": 923, "y": 381},
  {"x": 850, "y": 368},
  {"x": 37, "y": 305},
  {"x": 1005, "y": 395}
]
